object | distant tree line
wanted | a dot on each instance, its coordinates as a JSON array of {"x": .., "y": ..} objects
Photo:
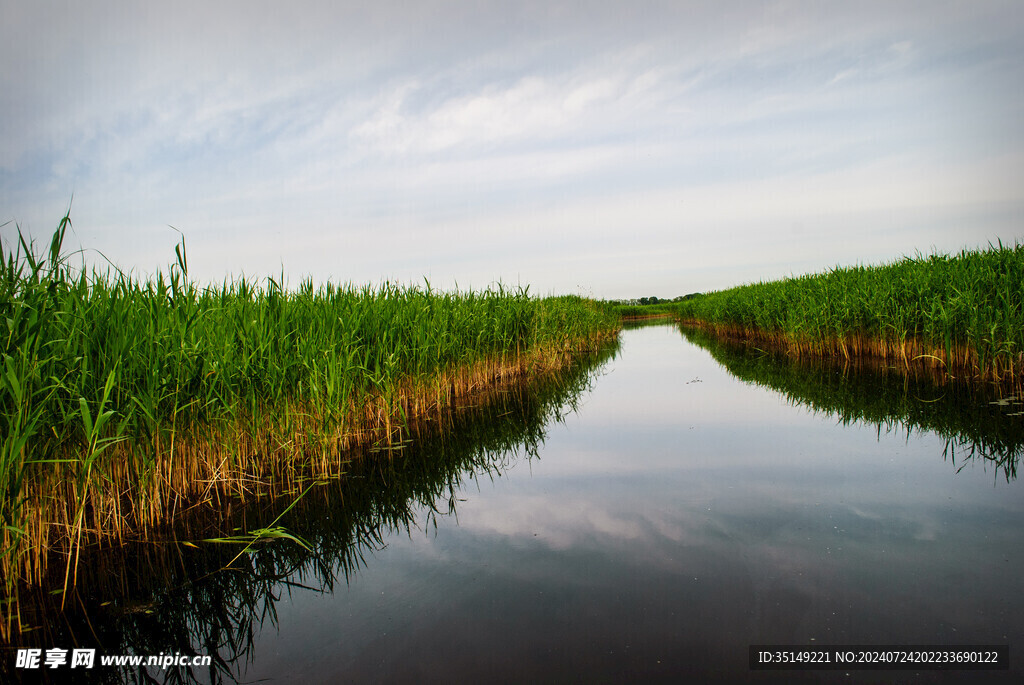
[{"x": 644, "y": 301}]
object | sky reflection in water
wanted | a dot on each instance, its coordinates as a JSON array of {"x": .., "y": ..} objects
[{"x": 680, "y": 516}]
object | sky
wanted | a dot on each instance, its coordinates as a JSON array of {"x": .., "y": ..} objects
[{"x": 607, "y": 149}]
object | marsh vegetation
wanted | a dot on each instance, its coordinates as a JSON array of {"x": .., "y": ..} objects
[
  {"x": 188, "y": 591},
  {"x": 126, "y": 401},
  {"x": 961, "y": 313}
]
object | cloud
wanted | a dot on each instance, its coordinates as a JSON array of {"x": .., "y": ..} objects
[
  {"x": 533, "y": 110},
  {"x": 513, "y": 140}
]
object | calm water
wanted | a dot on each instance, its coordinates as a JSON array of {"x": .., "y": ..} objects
[{"x": 676, "y": 517}]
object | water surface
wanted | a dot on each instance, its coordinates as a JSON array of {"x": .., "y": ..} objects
[
  {"x": 644, "y": 522},
  {"x": 678, "y": 517}
]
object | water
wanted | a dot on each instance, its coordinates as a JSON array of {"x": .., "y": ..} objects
[
  {"x": 680, "y": 516},
  {"x": 676, "y": 517}
]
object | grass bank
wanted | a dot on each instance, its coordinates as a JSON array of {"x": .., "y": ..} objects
[
  {"x": 124, "y": 401},
  {"x": 637, "y": 312},
  {"x": 963, "y": 313}
]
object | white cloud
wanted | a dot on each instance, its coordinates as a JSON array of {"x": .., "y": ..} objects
[
  {"x": 532, "y": 111},
  {"x": 524, "y": 141}
]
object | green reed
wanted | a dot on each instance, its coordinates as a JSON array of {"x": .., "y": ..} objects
[
  {"x": 963, "y": 311},
  {"x": 124, "y": 400}
]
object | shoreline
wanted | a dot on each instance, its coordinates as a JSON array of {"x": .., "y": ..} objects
[
  {"x": 209, "y": 463},
  {"x": 960, "y": 363}
]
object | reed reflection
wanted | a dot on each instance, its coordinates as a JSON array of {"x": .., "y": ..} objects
[{"x": 980, "y": 422}]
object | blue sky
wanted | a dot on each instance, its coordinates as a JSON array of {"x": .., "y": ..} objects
[{"x": 609, "y": 149}]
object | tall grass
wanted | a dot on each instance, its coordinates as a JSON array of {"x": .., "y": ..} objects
[
  {"x": 963, "y": 312},
  {"x": 125, "y": 400}
]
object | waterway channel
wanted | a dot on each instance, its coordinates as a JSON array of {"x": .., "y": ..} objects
[{"x": 650, "y": 524}]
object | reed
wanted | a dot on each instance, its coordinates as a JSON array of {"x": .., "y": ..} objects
[
  {"x": 169, "y": 594},
  {"x": 963, "y": 313},
  {"x": 633, "y": 312},
  {"x": 124, "y": 401}
]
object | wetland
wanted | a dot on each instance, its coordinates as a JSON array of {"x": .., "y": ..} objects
[{"x": 647, "y": 515}]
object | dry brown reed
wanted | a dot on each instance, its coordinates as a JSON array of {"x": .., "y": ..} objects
[{"x": 958, "y": 361}]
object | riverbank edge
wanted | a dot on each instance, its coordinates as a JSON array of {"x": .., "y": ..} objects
[
  {"x": 511, "y": 417},
  {"x": 958, "y": 362},
  {"x": 206, "y": 465},
  {"x": 648, "y": 317}
]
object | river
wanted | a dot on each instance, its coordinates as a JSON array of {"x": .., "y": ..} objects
[{"x": 648, "y": 526}]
